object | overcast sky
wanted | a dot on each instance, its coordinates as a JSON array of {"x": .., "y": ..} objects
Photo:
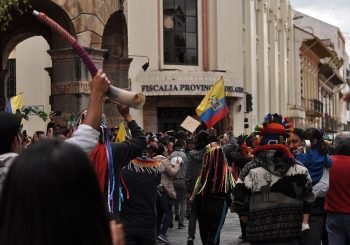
[{"x": 334, "y": 12}]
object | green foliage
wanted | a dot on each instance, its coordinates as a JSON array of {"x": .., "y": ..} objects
[
  {"x": 73, "y": 119},
  {"x": 9, "y": 6},
  {"x": 26, "y": 110}
]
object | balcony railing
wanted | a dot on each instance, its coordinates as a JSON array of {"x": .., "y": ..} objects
[
  {"x": 329, "y": 124},
  {"x": 313, "y": 107}
]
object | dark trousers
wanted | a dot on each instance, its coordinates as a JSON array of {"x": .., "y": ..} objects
[
  {"x": 193, "y": 221},
  {"x": 164, "y": 213},
  {"x": 325, "y": 233},
  {"x": 314, "y": 235},
  {"x": 211, "y": 215},
  {"x": 180, "y": 202},
  {"x": 140, "y": 236},
  {"x": 297, "y": 242},
  {"x": 243, "y": 228}
]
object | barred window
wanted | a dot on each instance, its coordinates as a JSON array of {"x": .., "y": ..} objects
[
  {"x": 11, "y": 78},
  {"x": 180, "y": 32}
]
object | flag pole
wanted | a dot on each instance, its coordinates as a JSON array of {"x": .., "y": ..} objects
[{"x": 228, "y": 113}]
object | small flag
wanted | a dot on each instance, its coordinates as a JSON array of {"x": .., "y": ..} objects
[
  {"x": 213, "y": 107},
  {"x": 14, "y": 103},
  {"x": 121, "y": 133}
]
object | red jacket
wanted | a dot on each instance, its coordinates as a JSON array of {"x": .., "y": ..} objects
[{"x": 338, "y": 196}]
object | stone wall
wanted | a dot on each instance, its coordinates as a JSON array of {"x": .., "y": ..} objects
[{"x": 89, "y": 18}]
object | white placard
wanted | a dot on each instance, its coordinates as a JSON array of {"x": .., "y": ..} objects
[{"x": 190, "y": 124}]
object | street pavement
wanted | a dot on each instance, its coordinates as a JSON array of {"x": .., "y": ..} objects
[{"x": 229, "y": 234}]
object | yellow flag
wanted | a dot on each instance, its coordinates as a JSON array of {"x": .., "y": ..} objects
[
  {"x": 121, "y": 133},
  {"x": 213, "y": 107},
  {"x": 14, "y": 103}
]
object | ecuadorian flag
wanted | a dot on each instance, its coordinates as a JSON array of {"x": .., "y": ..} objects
[
  {"x": 14, "y": 103},
  {"x": 213, "y": 107}
]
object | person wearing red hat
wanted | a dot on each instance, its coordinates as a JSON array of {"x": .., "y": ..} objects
[{"x": 273, "y": 190}]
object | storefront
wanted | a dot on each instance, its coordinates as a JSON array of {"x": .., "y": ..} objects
[{"x": 172, "y": 96}]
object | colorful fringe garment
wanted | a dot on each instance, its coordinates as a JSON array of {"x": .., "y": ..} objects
[
  {"x": 145, "y": 165},
  {"x": 215, "y": 176},
  {"x": 102, "y": 159}
]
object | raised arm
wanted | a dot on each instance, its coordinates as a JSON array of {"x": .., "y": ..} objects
[
  {"x": 99, "y": 85},
  {"x": 125, "y": 151},
  {"x": 86, "y": 136}
]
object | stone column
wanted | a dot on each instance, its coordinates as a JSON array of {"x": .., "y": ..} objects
[
  {"x": 70, "y": 81},
  {"x": 117, "y": 70},
  {"x": 3, "y": 78}
]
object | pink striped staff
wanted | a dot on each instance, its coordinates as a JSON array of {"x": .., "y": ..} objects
[{"x": 132, "y": 99}]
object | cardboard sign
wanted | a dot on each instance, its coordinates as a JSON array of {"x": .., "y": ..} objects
[{"x": 190, "y": 124}]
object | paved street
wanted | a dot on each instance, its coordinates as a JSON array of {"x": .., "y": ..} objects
[{"x": 229, "y": 234}]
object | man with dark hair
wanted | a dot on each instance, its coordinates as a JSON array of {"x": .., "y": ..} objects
[
  {"x": 337, "y": 203},
  {"x": 193, "y": 169},
  {"x": 296, "y": 141},
  {"x": 141, "y": 178}
]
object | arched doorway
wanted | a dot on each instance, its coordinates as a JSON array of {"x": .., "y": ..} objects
[
  {"x": 30, "y": 79},
  {"x": 86, "y": 20},
  {"x": 115, "y": 41},
  {"x": 24, "y": 27}
]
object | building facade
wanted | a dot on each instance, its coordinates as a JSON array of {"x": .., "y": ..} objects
[
  {"x": 321, "y": 84},
  {"x": 187, "y": 44},
  {"x": 249, "y": 43},
  {"x": 268, "y": 56},
  {"x": 190, "y": 45}
]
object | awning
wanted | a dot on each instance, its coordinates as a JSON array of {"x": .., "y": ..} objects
[{"x": 330, "y": 74}]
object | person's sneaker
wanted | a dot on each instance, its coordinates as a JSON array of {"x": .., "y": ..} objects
[
  {"x": 176, "y": 217},
  {"x": 163, "y": 238},
  {"x": 305, "y": 227},
  {"x": 190, "y": 241},
  {"x": 181, "y": 226}
]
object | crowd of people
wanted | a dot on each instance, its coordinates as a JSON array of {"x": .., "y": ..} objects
[{"x": 287, "y": 185}]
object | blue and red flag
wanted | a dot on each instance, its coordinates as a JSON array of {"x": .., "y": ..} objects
[{"x": 213, "y": 107}]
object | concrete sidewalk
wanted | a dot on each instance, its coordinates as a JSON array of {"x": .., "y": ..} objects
[{"x": 229, "y": 234}]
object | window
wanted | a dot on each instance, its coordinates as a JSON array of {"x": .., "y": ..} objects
[
  {"x": 180, "y": 32},
  {"x": 11, "y": 78}
]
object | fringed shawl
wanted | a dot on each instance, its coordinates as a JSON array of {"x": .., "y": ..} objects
[{"x": 215, "y": 176}]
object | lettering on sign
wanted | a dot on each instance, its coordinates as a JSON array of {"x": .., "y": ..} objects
[{"x": 186, "y": 87}]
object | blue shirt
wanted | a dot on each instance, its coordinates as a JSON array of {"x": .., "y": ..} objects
[{"x": 314, "y": 161}]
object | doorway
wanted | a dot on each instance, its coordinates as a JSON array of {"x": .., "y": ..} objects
[{"x": 171, "y": 118}]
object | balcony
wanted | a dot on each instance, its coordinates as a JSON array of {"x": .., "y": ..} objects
[
  {"x": 313, "y": 107},
  {"x": 329, "y": 124}
]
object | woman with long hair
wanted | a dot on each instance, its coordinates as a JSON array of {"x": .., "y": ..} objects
[{"x": 51, "y": 196}]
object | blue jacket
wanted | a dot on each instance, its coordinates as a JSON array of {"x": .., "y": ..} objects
[{"x": 314, "y": 161}]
